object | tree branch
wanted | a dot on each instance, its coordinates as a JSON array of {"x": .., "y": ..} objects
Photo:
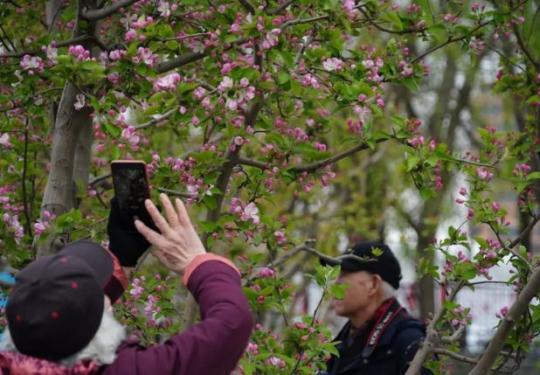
[
  {"x": 516, "y": 311},
  {"x": 454, "y": 355},
  {"x": 279, "y": 9},
  {"x": 323, "y": 163},
  {"x": 525, "y": 50},
  {"x": 64, "y": 43},
  {"x": 97, "y": 14},
  {"x": 156, "y": 121},
  {"x": 372, "y": 22},
  {"x": 247, "y": 5},
  {"x": 180, "y": 61}
]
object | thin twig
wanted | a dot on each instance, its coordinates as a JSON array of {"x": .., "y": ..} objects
[
  {"x": 96, "y": 14},
  {"x": 156, "y": 121},
  {"x": 280, "y": 8},
  {"x": 454, "y": 355},
  {"x": 176, "y": 193},
  {"x": 247, "y": 5}
]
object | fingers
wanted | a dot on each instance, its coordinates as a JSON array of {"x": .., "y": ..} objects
[
  {"x": 171, "y": 214},
  {"x": 182, "y": 213},
  {"x": 156, "y": 216},
  {"x": 151, "y": 236}
]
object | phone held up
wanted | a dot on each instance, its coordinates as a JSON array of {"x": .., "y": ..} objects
[{"x": 131, "y": 189}]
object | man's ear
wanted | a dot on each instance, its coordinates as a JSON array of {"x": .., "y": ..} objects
[{"x": 376, "y": 284}]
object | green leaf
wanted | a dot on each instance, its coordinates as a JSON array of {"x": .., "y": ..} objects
[{"x": 533, "y": 176}]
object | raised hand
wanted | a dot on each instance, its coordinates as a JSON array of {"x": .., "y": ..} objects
[{"x": 178, "y": 243}]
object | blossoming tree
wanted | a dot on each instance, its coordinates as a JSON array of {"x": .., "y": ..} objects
[{"x": 287, "y": 125}]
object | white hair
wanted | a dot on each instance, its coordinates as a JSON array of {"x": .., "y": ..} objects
[
  {"x": 102, "y": 348},
  {"x": 388, "y": 291}
]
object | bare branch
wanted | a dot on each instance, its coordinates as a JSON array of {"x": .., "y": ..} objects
[
  {"x": 97, "y": 14},
  {"x": 516, "y": 311},
  {"x": 254, "y": 163},
  {"x": 247, "y": 5},
  {"x": 180, "y": 61},
  {"x": 390, "y": 31},
  {"x": 157, "y": 120},
  {"x": 454, "y": 355},
  {"x": 280, "y": 8},
  {"x": 323, "y": 163}
]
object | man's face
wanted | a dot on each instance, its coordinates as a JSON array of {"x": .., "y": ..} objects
[{"x": 361, "y": 287}]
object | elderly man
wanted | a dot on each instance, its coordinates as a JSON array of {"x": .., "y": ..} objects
[
  {"x": 60, "y": 319},
  {"x": 380, "y": 336}
]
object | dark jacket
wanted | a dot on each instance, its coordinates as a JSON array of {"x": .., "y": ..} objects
[
  {"x": 370, "y": 353},
  {"x": 213, "y": 346}
]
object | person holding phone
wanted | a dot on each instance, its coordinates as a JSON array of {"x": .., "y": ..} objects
[{"x": 60, "y": 317}]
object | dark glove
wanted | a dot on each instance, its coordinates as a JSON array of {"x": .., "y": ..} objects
[{"x": 125, "y": 242}]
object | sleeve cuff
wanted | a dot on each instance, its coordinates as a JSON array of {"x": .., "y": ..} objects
[{"x": 202, "y": 258}]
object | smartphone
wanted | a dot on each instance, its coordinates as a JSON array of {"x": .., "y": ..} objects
[{"x": 131, "y": 188}]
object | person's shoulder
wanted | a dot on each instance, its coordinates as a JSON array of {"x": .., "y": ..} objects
[{"x": 409, "y": 331}]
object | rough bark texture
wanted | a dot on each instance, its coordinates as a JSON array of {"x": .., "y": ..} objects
[{"x": 83, "y": 150}]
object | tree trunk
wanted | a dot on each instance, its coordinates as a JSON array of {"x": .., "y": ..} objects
[
  {"x": 426, "y": 286},
  {"x": 59, "y": 194},
  {"x": 83, "y": 150}
]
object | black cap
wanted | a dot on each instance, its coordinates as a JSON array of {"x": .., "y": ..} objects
[
  {"x": 373, "y": 257},
  {"x": 55, "y": 308}
]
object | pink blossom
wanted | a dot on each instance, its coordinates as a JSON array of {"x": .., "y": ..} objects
[
  {"x": 451, "y": 18},
  {"x": 130, "y": 35},
  {"x": 231, "y": 104},
  {"x": 355, "y": 127},
  {"x": 503, "y": 312},
  {"x": 300, "y": 134},
  {"x": 114, "y": 78},
  {"x": 226, "y": 84},
  {"x": 280, "y": 237},
  {"x": 165, "y": 8},
  {"x": 199, "y": 93},
  {"x": 117, "y": 54},
  {"x": 5, "y": 141},
  {"x": 349, "y": 5},
  {"x": 277, "y": 362},
  {"x": 266, "y": 272},
  {"x": 136, "y": 289},
  {"x": 320, "y": 146},
  {"x": 484, "y": 174},
  {"x": 416, "y": 141},
  {"x": 40, "y": 227},
  {"x": 463, "y": 191},
  {"x": 32, "y": 64},
  {"x": 251, "y": 212},
  {"x": 333, "y": 64},
  {"x": 252, "y": 348},
  {"x": 145, "y": 56},
  {"x": 226, "y": 68},
  {"x": 195, "y": 120},
  {"x": 495, "y": 206},
  {"x": 79, "y": 52},
  {"x": 470, "y": 214},
  {"x": 477, "y": 45},
  {"x": 129, "y": 133},
  {"x": 521, "y": 169},
  {"x": 52, "y": 53},
  {"x": 167, "y": 83}
]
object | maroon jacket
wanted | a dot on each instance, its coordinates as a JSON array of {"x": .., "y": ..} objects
[{"x": 211, "y": 347}]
